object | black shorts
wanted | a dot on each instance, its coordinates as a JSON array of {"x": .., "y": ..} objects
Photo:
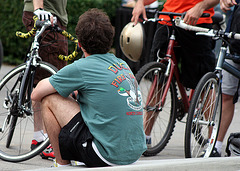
[{"x": 75, "y": 142}]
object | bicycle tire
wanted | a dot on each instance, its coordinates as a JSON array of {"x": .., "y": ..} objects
[
  {"x": 164, "y": 123},
  {"x": 204, "y": 117},
  {"x": 18, "y": 150},
  {"x": 11, "y": 131}
]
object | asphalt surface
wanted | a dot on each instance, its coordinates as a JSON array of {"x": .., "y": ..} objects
[{"x": 171, "y": 158}]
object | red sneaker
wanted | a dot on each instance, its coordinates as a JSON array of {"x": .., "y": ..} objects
[
  {"x": 35, "y": 144},
  {"x": 48, "y": 152}
]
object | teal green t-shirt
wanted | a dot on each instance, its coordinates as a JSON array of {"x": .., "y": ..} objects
[{"x": 110, "y": 103}]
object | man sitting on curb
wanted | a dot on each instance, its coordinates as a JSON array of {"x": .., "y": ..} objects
[{"x": 108, "y": 130}]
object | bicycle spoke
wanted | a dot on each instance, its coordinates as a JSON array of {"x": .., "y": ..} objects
[
  {"x": 204, "y": 118},
  {"x": 159, "y": 119}
]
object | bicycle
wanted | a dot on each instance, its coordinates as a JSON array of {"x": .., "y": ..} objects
[
  {"x": 16, "y": 108},
  {"x": 204, "y": 115},
  {"x": 161, "y": 102}
]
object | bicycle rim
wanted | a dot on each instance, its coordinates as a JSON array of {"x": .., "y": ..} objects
[
  {"x": 204, "y": 118},
  {"x": 16, "y": 126},
  {"x": 160, "y": 122},
  {"x": 12, "y": 125}
]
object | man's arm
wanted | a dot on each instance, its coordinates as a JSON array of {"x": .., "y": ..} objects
[
  {"x": 43, "y": 88},
  {"x": 140, "y": 9},
  {"x": 37, "y": 4},
  {"x": 196, "y": 12}
]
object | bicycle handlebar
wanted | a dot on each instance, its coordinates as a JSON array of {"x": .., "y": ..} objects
[
  {"x": 73, "y": 39},
  {"x": 38, "y": 24},
  {"x": 170, "y": 14},
  {"x": 179, "y": 23},
  {"x": 205, "y": 31},
  {"x": 30, "y": 33}
]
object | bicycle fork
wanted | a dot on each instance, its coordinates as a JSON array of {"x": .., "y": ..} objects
[
  {"x": 24, "y": 101},
  {"x": 168, "y": 74}
]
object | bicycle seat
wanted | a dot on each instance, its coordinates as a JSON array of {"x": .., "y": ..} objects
[
  {"x": 217, "y": 17},
  {"x": 218, "y": 21}
]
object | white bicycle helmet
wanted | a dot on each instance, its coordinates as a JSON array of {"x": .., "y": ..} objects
[{"x": 132, "y": 41}]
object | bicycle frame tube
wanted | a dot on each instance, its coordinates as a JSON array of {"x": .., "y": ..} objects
[
  {"x": 174, "y": 70},
  {"x": 170, "y": 67},
  {"x": 231, "y": 69},
  {"x": 153, "y": 86},
  {"x": 223, "y": 64},
  {"x": 23, "y": 83},
  {"x": 27, "y": 73}
]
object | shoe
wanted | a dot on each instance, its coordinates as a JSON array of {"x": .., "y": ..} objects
[
  {"x": 149, "y": 142},
  {"x": 76, "y": 163},
  {"x": 47, "y": 153},
  {"x": 55, "y": 164},
  {"x": 214, "y": 153},
  {"x": 35, "y": 144}
]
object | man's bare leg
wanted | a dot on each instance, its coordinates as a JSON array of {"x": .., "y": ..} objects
[
  {"x": 39, "y": 129},
  {"x": 57, "y": 111},
  {"x": 227, "y": 115}
]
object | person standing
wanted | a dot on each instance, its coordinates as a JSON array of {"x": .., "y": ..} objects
[
  {"x": 196, "y": 53},
  {"x": 229, "y": 82}
]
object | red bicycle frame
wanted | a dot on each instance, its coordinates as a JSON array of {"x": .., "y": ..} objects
[{"x": 171, "y": 70}]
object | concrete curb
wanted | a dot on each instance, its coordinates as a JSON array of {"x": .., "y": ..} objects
[{"x": 201, "y": 164}]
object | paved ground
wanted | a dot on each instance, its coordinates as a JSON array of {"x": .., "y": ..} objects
[{"x": 171, "y": 158}]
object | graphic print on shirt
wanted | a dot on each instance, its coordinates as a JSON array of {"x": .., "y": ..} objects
[{"x": 134, "y": 98}]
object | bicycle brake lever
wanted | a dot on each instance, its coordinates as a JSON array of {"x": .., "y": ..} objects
[{"x": 152, "y": 20}]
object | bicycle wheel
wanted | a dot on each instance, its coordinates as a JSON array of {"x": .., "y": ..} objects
[
  {"x": 17, "y": 126},
  {"x": 204, "y": 118},
  {"x": 159, "y": 121}
]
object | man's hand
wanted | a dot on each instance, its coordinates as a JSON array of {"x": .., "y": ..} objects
[
  {"x": 193, "y": 15},
  {"x": 196, "y": 12},
  {"x": 226, "y": 4},
  {"x": 42, "y": 14},
  {"x": 137, "y": 11}
]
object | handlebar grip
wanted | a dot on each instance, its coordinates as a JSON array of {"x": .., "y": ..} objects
[
  {"x": 69, "y": 36},
  {"x": 237, "y": 36},
  {"x": 75, "y": 52},
  {"x": 30, "y": 33},
  {"x": 185, "y": 26},
  {"x": 69, "y": 57},
  {"x": 26, "y": 35}
]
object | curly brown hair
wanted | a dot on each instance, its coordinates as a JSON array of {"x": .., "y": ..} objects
[{"x": 95, "y": 31}]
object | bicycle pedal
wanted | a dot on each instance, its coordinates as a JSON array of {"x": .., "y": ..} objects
[{"x": 180, "y": 110}]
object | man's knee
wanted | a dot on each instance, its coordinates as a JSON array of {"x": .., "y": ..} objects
[{"x": 47, "y": 100}]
